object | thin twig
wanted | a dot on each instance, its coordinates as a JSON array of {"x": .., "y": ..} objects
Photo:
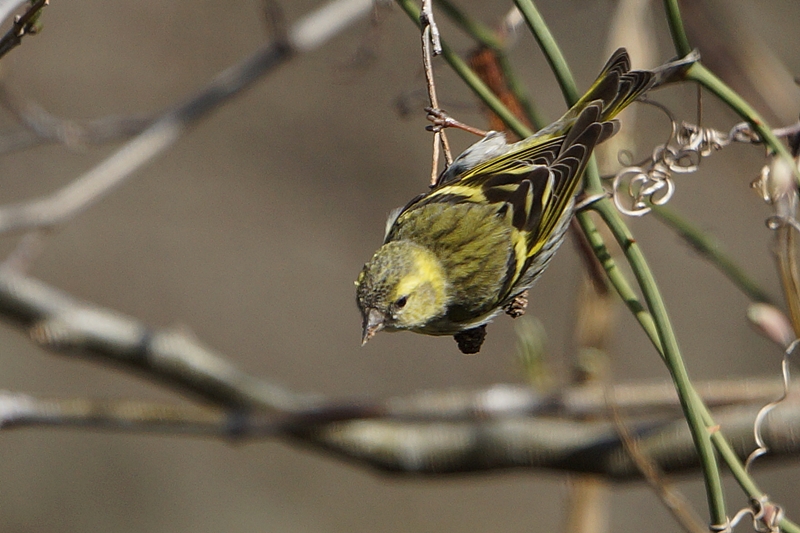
[
  {"x": 57, "y": 321},
  {"x": 41, "y": 127},
  {"x": 430, "y": 38},
  {"x": 83, "y": 192},
  {"x": 427, "y": 20},
  {"x": 23, "y": 25}
]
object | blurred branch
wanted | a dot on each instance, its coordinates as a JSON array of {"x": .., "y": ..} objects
[
  {"x": 59, "y": 322},
  {"x": 440, "y": 428},
  {"x": 497, "y": 402},
  {"x": 81, "y": 193},
  {"x": 41, "y": 127},
  {"x": 307, "y": 34},
  {"x": 439, "y": 432}
]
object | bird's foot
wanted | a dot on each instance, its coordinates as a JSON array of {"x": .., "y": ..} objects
[
  {"x": 516, "y": 307},
  {"x": 470, "y": 340}
]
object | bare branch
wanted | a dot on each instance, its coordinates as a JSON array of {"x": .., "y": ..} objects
[
  {"x": 431, "y": 447},
  {"x": 431, "y": 46},
  {"x": 41, "y": 127},
  {"x": 95, "y": 184},
  {"x": 57, "y": 321},
  {"x": 308, "y": 34},
  {"x": 432, "y": 432},
  {"x": 23, "y": 410}
]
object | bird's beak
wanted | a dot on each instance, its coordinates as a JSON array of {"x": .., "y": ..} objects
[{"x": 373, "y": 323}]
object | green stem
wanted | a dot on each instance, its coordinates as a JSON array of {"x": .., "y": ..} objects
[
  {"x": 645, "y": 319},
  {"x": 566, "y": 81},
  {"x": 707, "y": 79},
  {"x": 520, "y": 92},
  {"x": 475, "y": 29},
  {"x": 619, "y": 281},
  {"x": 550, "y": 49},
  {"x": 692, "y": 404},
  {"x": 711, "y": 249},
  {"x": 666, "y": 336},
  {"x": 699, "y": 73},
  {"x": 484, "y": 93},
  {"x": 675, "y": 21}
]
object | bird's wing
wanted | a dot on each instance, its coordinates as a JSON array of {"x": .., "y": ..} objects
[
  {"x": 532, "y": 185},
  {"x": 535, "y": 181}
]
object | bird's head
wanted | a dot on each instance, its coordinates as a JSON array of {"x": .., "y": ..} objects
[{"x": 403, "y": 286}]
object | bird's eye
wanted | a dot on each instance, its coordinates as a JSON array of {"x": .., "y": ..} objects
[{"x": 401, "y": 302}]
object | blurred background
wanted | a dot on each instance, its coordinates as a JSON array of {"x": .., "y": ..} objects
[{"x": 251, "y": 230}]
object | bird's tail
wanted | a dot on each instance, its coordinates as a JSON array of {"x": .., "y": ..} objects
[{"x": 617, "y": 85}]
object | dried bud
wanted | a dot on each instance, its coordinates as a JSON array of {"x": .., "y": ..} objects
[{"x": 772, "y": 323}]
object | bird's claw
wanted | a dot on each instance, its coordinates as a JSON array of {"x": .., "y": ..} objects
[{"x": 516, "y": 307}]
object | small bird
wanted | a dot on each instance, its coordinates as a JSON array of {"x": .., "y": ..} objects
[{"x": 455, "y": 257}]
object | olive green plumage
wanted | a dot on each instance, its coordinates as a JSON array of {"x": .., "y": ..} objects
[{"x": 453, "y": 258}]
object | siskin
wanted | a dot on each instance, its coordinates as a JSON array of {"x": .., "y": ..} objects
[{"x": 455, "y": 257}]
